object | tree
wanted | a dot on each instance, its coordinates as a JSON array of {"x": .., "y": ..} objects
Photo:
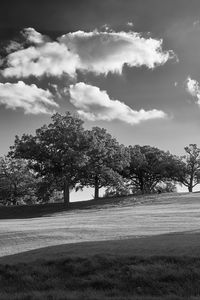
[
  {"x": 16, "y": 179},
  {"x": 45, "y": 188},
  {"x": 106, "y": 158},
  {"x": 165, "y": 187},
  {"x": 57, "y": 149},
  {"x": 119, "y": 188},
  {"x": 150, "y": 166},
  {"x": 189, "y": 174}
]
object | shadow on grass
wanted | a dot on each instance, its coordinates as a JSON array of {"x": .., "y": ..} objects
[
  {"x": 103, "y": 277},
  {"x": 41, "y": 210}
]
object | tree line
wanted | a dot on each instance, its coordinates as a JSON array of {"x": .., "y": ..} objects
[{"x": 63, "y": 155}]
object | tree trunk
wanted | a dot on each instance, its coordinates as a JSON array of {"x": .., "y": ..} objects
[
  {"x": 142, "y": 188},
  {"x": 190, "y": 189},
  {"x": 66, "y": 193},
  {"x": 96, "y": 188},
  {"x": 191, "y": 184},
  {"x": 13, "y": 194},
  {"x": 141, "y": 183}
]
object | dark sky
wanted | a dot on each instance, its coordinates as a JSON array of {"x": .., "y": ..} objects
[{"x": 163, "y": 88}]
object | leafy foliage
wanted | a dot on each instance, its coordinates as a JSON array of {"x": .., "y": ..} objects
[
  {"x": 106, "y": 158},
  {"x": 65, "y": 156},
  {"x": 16, "y": 180},
  {"x": 150, "y": 166},
  {"x": 189, "y": 174},
  {"x": 57, "y": 149}
]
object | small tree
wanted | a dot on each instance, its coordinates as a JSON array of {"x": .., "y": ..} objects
[
  {"x": 106, "y": 158},
  {"x": 58, "y": 150},
  {"x": 189, "y": 174}
]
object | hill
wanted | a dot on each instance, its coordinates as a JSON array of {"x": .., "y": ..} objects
[
  {"x": 133, "y": 248},
  {"x": 113, "y": 219}
]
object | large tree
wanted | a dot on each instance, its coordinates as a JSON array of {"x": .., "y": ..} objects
[
  {"x": 106, "y": 160},
  {"x": 150, "y": 166},
  {"x": 57, "y": 149},
  {"x": 189, "y": 174}
]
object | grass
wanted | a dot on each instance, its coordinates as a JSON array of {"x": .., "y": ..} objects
[
  {"x": 40, "y": 210},
  {"x": 179, "y": 244},
  {"x": 107, "y": 219},
  {"x": 159, "y": 267},
  {"x": 103, "y": 277}
]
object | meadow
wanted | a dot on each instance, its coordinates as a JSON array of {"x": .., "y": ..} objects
[
  {"x": 144, "y": 247},
  {"x": 111, "y": 219}
]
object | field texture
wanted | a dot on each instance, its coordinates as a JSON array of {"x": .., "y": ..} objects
[
  {"x": 103, "y": 278},
  {"x": 121, "y": 219}
]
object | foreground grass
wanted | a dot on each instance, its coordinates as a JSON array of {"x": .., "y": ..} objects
[{"x": 103, "y": 277}]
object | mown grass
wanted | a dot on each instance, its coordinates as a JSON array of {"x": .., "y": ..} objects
[
  {"x": 103, "y": 278},
  {"x": 40, "y": 210}
]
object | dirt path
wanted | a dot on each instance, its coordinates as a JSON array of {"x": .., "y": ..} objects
[{"x": 166, "y": 214}]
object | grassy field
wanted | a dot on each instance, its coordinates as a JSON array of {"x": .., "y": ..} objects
[
  {"x": 179, "y": 244},
  {"x": 114, "y": 219},
  {"x": 102, "y": 277},
  {"x": 129, "y": 248}
]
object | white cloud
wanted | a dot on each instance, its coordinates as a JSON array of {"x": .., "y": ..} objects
[
  {"x": 13, "y": 46},
  {"x": 106, "y": 27},
  {"x": 30, "y": 98},
  {"x": 50, "y": 58},
  {"x": 193, "y": 88},
  {"x": 103, "y": 52},
  {"x": 98, "y": 52},
  {"x": 94, "y": 104},
  {"x": 33, "y": 36},
  {"x": 130, "y": 24}
]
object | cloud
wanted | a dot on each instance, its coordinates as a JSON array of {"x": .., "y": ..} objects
[
  {"x": 50, "y": 58},
  {"x": 193, "y": 88},
  {"x": 103, "y": 52},
  {"x": 196, "y": 24},
  {"x": 29, "y": 36},
  {"x": 106, "y": 27},
  {"x": 30, "y": 98},
  {"x": 33, "y": 36},
  {"x": 13, "y": 46},
  {"x": 99, "y": 52},
  {"x": 94, "y": 104},
  {"x": 130, "y": 24}
]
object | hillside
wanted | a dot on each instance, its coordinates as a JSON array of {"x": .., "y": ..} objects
[{"x": 113, "y": 220}]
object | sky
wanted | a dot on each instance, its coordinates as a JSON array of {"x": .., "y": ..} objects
[{"x": 132, "y": 67}]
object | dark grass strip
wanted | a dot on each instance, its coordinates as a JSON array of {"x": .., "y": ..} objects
[{"x": 103, "y": 277}]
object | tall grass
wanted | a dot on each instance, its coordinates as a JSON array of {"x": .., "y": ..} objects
[{"x": 103, "y": 277}]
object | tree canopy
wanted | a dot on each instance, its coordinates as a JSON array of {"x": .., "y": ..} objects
[
  {"x": 58, "y": 149},
  {"x": 106, "y": 158},
  {"x": 150, "y": 166},
  {"x": 16, "y": 179},
  {"x": 64, "y": 155},
  {"x": 189, "y": 174}
]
